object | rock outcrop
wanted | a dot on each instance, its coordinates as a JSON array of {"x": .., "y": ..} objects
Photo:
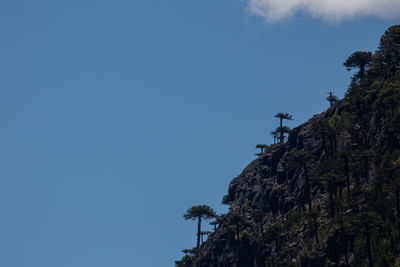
[{"x": 328, "y": 196}]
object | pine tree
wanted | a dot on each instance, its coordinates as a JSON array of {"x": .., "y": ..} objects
[
  {"x": 274, "y": 135},
  {"x": 198, "y": 213},
  {"x": 360, "y": 60},
  {"x": 332, "y": 99},
  {"x": 281, "y": 131},
  {"x": 261, "y": 147},
  {"x": 282, "y": 116}
]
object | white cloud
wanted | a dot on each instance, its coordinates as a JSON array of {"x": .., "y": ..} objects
[{"x": 332, "y": 10}]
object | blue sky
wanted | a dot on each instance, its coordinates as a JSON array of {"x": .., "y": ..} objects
[{"x": 117, "y": 116}]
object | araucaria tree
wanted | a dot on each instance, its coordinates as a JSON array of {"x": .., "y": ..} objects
[
  {"x": 197, "y": 213},
  {"x": 332, "y": 99},
  {"x": 274, "y": 135},
  {"x": 281, "y": 131},
  {"x": 261, "y": 147},
  {"x": 360, "y": 60},
  {"x": 282, "y": 116}
]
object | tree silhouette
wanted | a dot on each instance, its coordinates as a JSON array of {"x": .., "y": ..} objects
[
  {"x": 360, "y": 60},
  {"x": 274, "y": 135},
  {"x": 188, "y": 251},
  {"x": 203, "y": 233},
  {"x": 197, "y": 213},
  {"x": 332, "y": 99},
  {"x": 261, "y": 147},
  {"x": 282, "y": 116},
  {"x": 215, "y": 224},
  {"x": 281, "y": 131}
]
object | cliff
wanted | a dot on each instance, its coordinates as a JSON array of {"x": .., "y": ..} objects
[{"x": 329, "y": 195}]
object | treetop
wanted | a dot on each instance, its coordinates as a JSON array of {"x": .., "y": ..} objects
[
  {"x": 285, "y": 116},
  {"x": 200, "y": 211},
  {"x": 358, "y": 59}
]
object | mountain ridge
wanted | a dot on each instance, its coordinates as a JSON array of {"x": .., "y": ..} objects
[{"x": 329, "y": 195}]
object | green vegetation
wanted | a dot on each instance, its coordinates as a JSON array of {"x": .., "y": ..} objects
[
  {"x": 300, "y": 159},
  {"x": 215, "y": 224},
  {"x": 360, "y": 60},
  {"x": 332, "y": 99},
  {"x": 198, "y": 213},
  {"x": 274, "y": 135},
  {"x": 332, "y": 198},
  {"x": 226, "y": 200},
  {"x": 281, "y": 130},
  {"x": 261, "y": 147}
]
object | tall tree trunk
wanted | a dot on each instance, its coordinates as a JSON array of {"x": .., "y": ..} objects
[
  {"x": 368, "y": 240},
  {"x": 198, "y": 232},
  {"x": 346, "y": 168},
  {"x": 281, "y": 133}
]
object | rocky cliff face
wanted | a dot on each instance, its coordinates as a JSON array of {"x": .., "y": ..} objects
[
  {"x": 274, "y": 186},
  {"x": 328, "y": 196}
]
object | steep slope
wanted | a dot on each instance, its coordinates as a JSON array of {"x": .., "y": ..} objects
[{"x": 328, "y": 196}]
